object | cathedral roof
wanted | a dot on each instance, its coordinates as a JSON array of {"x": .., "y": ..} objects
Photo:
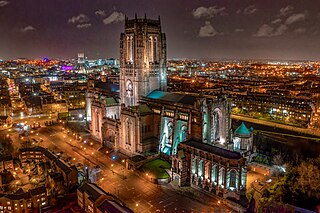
[
  {"x": 242, "y": 130},
  {"x": 172, "y": 97},
  {"x": 111, "y": 101},
  {"x": 213, "y": 149},
  {"x": 144, "y": 109}
]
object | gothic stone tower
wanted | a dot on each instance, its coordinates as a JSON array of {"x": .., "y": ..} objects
[{"x": 142, "y": 59}]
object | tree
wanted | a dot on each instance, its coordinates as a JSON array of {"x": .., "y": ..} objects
[
  {"x": 308, "y": 180},
  {"x": 299, "y": 186}
]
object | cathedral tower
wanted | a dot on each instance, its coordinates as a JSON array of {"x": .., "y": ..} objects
[{"x": 142, "y": 59}]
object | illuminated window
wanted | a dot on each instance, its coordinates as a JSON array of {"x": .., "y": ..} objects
[{"x": 233, "y": 177}]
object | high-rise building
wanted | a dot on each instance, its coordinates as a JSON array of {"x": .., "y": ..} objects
[{"x": 142, "y": 59}]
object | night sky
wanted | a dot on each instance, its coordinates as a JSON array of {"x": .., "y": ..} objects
[{"x": 225, "y": 29}]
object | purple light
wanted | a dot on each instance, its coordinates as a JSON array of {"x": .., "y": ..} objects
[{"x": 66, "y": 68}]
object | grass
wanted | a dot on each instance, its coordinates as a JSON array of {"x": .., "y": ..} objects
[{"x": 157, "y": 168}]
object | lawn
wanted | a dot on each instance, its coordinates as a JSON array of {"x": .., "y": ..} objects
[{"x": 157, "y": 168}]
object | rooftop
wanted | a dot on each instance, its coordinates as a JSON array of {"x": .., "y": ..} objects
[
  {"x": 213, "y": 149},
  {"x": 242, "y": 130},
  {"x": 172, "y": 97}
]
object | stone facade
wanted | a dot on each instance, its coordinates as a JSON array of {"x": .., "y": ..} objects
[
  {"x": 191, "y": 130},
  {"x": 142, "y": 59}
]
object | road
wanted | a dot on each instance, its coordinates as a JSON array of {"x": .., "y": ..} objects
[{"x": 139, "y": 194}]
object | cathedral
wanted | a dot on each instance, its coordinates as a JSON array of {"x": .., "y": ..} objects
[{"x": 193, "y": 131}]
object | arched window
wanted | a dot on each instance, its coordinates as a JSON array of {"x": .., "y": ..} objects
[
  {"x": 97, "y": 122},
  {"x": 150, "y": 49},
  {"x": 233, "y": 178},
  {"x": 128, "y": 138},
  {"x": 129, "y": 49},
  {"x": 200, "y": 168},
  {"x": 155, "y": 49},
  {"x": 221, "y": 176},
  {"x": 214, "y": 173},
  {"x": 184, "y": 133},
  {"x": 194, "y": 165},
  {"x": 170, "y": 133}
]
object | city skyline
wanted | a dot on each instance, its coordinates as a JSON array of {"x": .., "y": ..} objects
[{"x": 201, "y": 29}]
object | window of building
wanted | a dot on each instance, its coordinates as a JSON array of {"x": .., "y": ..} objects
[{"x": 233, "y": 178}]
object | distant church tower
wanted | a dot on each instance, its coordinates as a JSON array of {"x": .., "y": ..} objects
[{"x": 142, "y": 59}]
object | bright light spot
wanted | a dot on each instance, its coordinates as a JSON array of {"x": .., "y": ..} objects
[
  {"x": 222, "y": 140},
  {"x": 122, "y": 161},
  {"x": 113, "y": 157},
  {"x": 219, "y": 201},
  {"x": 111, "y": 165},
  {"x": 80, "y": 115},
  {"x": 137, "y": 204},
  {"x": 74, "y": 158}
]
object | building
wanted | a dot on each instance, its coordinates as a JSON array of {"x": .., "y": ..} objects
[
  {"x": 21, "y": 201},
  {"x": 145, "y": 119},
  {"x": 40, "y": 154},
  {"x": 93, "y": 199},
  {"x": 142, "y": 59}
]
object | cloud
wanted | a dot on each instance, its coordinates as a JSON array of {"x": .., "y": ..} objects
[
  {"x": 85, "y": 25},
  {"x": 207, "y": 30},
  {"x": 276, "y": 21},
  {"x": 80, "y": 19},
  {"x": 28, "y": 28},
  {"x": 209, "y": 12},
  {"x": 286, "y": 10},
  {"x": 115, "y": 17},
  {"x": 295, "y": 17},
  {"x": 100, "y": 13},
  {"x": 300, "y": 30},
  {"x": 238, "y": 30},
  {"x": 4, "y": 3},
  {"x": 268, "y": 31},
  {"x": 249, "y": 10},
  {"x": 264, "y": 31},
  {"x": 280, "y": 30}
]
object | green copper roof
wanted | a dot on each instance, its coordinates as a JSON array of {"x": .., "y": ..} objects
[
  {"x": 144, "y": 109},
  {"x": 242, "y": 130},
  {"x": 111, "y": 101}
]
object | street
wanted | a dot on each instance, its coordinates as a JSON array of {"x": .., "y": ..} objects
[{"x": 138, "y": 193}]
